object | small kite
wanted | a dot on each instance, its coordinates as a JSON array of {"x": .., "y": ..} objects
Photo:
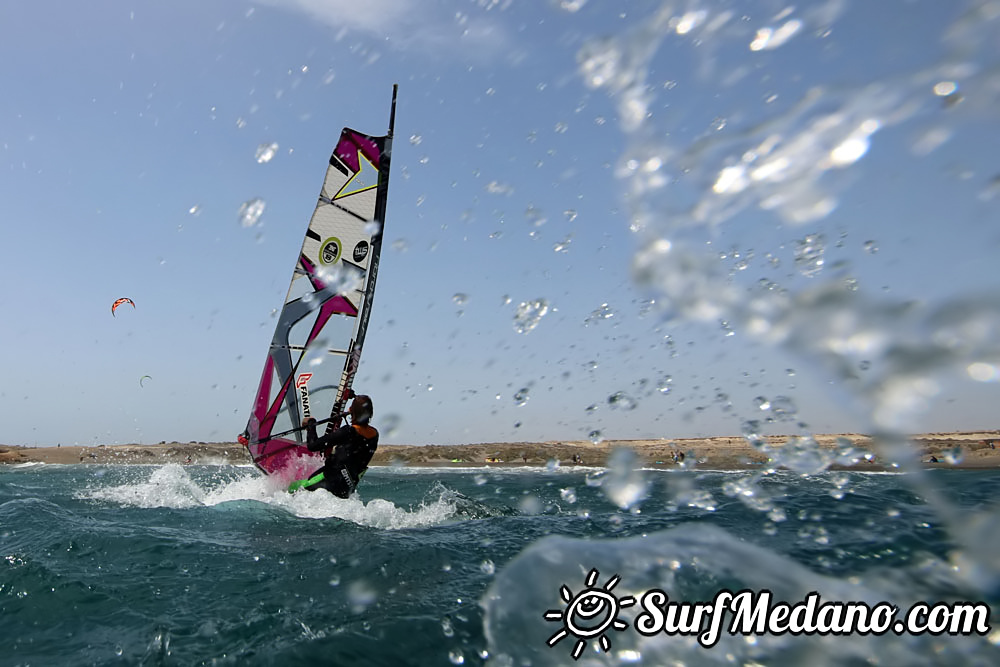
[
  {"x": 119, "y": 302},
  {"x": 143, "y": 378}
]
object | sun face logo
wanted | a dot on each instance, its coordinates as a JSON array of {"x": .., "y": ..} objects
[{"x": 589, "y": 614}]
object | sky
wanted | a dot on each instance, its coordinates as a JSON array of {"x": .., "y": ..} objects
[{"x": 735, "y": 216}]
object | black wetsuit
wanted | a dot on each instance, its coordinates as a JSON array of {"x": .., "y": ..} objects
[{"x": 353, "y": 447}]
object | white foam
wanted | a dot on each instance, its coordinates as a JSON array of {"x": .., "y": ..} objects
[{"x": 171, "y": 486}]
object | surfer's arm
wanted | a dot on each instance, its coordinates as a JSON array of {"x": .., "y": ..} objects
[
  {"x": 333, "y": 439},
  {"x": 313, "y": 442}
]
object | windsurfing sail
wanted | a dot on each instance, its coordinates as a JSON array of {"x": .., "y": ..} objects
[{"x": 317, "y": 342}]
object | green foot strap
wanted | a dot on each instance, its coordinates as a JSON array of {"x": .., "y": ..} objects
[{"x": 301, "y": 483}]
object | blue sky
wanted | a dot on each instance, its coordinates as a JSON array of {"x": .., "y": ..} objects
[{"x": 574, "y": 152}]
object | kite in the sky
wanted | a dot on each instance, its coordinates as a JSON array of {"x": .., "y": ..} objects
[
  {"x": 143, "y": 378},
  {"x": 119, "y": 302}
]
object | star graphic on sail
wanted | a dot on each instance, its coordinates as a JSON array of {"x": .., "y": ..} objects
[{"x": 365, "y": 178}]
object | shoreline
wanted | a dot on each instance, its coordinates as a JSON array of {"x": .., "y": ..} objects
[{"x": 958, "y": 450}]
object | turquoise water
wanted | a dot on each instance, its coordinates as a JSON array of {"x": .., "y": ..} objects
[{"x": 193, "y": 565}]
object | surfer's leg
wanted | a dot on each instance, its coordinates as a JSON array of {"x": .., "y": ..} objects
[{"x": 339, "y": 483}]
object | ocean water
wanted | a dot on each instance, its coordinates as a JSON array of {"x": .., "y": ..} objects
[{"x": 206, "y": 565}]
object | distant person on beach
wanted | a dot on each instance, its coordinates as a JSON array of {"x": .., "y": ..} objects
[{"x": 348, "y": 450}]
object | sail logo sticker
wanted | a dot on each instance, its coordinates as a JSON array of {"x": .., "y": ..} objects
[
  {"x": 360, "y": 251},
  {"x": 302, "y": 384},
  {"x": 365, "y": 178},
  {"x": 330, "y": 251},
  {"x": 589, "y": 613}
]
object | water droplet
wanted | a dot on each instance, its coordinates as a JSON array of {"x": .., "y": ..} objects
[
  {"x": 595, "y": 436},
  {"x": 991, "y": 191},
  {"x": 663, "y": 384},
  {"x": 625, "y": 484},
  {"x": 389, "y": 424},
  {"x": 456, "y": 657},
  {"x": 809, "y": 254},
  {"x": 945, "y": 88},
  {"x": 771, "y": 38},
  {"x": 569, "y": 495},
  {"x": 954, "y": 456},
  {"x": 570, "y": 215},
  {"x": 498, "y": 188},
  {"x": 521, "y": 396},
  {"x": 870, "y": 247},
  {"x": 622, "y": 401},
  {"x": 446, "y": 627},
  {"x": 783, "y": 407},
  {"x": 415, "y": 139},
  {"x": 572, "y": 6},
  {"x": 195, "y": 210},
  {"x": 604, "y": 312},
  {"x": 266, "y": 152},
  {"x": 341, "y": 278},
  {"x": 316, "y": 353},
  {"x": 562, "y": 246},
  {"x": 488, "y": 567},
  {"x": 803, "y": 455},
  {"x": 361, "y": 595},
  {"x": 250, "y": 211},
  {"x": 460, "y": 298},
  {"x": 535, "y": 216},
  {"x": 529, "y": 314}
]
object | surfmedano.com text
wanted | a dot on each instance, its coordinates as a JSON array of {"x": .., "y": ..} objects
[{"x": 755, "y": 613}]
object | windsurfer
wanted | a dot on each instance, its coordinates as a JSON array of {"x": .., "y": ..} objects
[{"x": 348, "y": 449}]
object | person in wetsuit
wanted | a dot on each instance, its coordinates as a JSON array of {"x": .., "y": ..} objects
[{"x": 349, "y": 449}]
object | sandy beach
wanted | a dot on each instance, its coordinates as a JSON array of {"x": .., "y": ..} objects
[{"x": 969, "y": 450}]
